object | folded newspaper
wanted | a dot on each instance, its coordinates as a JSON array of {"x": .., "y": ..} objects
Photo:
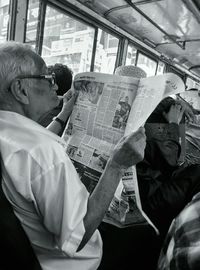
[{"x": 107, "y": 108}]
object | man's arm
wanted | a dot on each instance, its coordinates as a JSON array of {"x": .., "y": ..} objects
[
  {"x": 57, "y": 127},
  {"x": 128, "y": 152}
]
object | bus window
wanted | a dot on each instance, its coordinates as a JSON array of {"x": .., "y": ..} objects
[
  {"x": 106, "y": 52},
  {"x": 160, "y": 69},
  {"x": 197, "y": 85},
  {"x": 131, "y": 55},
  {"x": 190, "y": 83},
  {"x": 147, "y": 64},
  {"x": 32, "y": 22},
  {"x": 67, "y": 41},
  {"x": 4, "y": 18}
]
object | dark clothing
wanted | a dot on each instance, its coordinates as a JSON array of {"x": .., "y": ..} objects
[
  {"x": 157, "y": 115},
  {"x": 165, "y": 188},
  {"x": 161, "y": 157},
  {"x": 137, "y": 245},
  {"x": 184, "y": 233}
]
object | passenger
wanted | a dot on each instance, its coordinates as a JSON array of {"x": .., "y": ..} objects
[
  {"x": 165, "y": 186},
  {"x": 56, "y": 119},
  {"x": 64, "y": 77},
  {"x": 40, "y": 181},
  {"x": 181, "y": 247}
]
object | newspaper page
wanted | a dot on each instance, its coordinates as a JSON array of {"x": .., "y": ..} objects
[
  {"x": 149, "y": 94},
  {"x": 98, "y": 121},
  {"x": 107, "y": 107}
]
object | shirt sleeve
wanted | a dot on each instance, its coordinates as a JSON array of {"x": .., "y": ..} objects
[
  {"x": 186, "y": 239},
  {"x": 62, "y": 201},
  {"x": 181, "y": 247},
  {"x": 166, "y": 137}
]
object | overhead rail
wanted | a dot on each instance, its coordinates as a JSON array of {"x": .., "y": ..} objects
[
  {"x": 170, "y": 37},
  {"x": 134, "y": 6}
]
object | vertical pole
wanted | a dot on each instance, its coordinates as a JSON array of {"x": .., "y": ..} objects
[{"x": 18, "y": 18}]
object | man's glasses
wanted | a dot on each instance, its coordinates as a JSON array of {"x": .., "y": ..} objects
[{"x": 51, "y": 78}]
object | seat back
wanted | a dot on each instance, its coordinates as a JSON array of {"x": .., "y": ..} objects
[{"x": 15, "y": 248}]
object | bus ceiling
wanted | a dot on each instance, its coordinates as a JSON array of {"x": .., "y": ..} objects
[{"x": 171, "y": 27}]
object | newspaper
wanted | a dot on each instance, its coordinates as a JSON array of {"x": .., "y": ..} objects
[{"x": 107, "y": 108}]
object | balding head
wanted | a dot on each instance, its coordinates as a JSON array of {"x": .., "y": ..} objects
[
  {"x": 18, "y": 91},
  {"x": 17, "y": 59}
]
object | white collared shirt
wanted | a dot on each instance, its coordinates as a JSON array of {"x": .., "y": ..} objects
[{"x": 47, "y": 195}]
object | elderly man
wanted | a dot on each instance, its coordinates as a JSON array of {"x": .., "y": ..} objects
[{"x": 53, "y": 206}]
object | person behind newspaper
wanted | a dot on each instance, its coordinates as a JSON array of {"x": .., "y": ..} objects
[
  {"x": 165, "y": 187},
  {"x": 180, "y": 249},
  {"x": 53, "y": 206}
]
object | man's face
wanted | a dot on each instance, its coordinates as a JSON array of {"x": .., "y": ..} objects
[{"x": 43, "y": 97}]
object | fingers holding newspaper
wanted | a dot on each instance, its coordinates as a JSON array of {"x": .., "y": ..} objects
[
  {"x": 69, "y": 99},
  {"x": 130, "y": 149}
]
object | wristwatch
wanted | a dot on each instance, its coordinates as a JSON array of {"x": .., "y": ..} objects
[{"x": 61, "y": 122}]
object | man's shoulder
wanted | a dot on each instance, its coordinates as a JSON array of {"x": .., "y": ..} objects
[
  {"x": 190, "y": 215},
  {"x": 42, "y": 153}
]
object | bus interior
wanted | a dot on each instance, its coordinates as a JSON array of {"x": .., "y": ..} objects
[
  {"x": 158, "y": 36},
  {"x": 90, "y": 35}
]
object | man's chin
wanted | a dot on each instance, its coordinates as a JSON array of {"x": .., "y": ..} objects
[
  {"x": 47, "y": 112},
  {"x": 57, "y": 101}
]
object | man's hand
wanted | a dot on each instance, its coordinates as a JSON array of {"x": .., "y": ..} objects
[
  {"x": 69, "y": 99},
  {"x": 188, "y": 110},
  {"x": 175, "y": 113},
  {"x": 129, "y": 150}
]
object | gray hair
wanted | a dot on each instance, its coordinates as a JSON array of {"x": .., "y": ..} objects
[{"x": 17, "y": 59}]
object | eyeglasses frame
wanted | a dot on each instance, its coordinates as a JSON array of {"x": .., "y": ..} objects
[{"x": 50, "y": 77}]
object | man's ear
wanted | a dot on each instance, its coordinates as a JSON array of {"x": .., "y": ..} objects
[{"x": 19, "y": 92}]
